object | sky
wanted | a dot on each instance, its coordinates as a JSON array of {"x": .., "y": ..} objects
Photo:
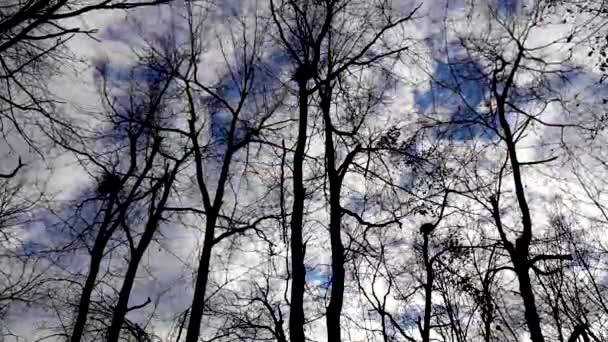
[{"x": 441, "y": 86}]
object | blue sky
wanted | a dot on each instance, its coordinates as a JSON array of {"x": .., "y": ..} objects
[
  {"x": 458, "y": 91},
  {"x": 316, "y": 275},
  {"x": 507, "y": 7},
  {"x": 459, "y": 88},
  {"x": 265, "y": 74}
]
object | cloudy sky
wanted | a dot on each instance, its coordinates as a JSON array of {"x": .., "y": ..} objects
[{"x": 436, "y": 78}]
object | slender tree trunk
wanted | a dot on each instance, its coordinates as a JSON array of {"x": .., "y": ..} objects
[
  {"x": 99, "y": 246},
  {"x": 85, "y": 297},
  {"x": 428, "y": 291},
  {"x": 520, "y": 253},
  {"x": 213, "y": 210},
  {"x": 181, "y": 326},
  {"x": 334, "y": 309},
  {"x": 198, "y": 299},
  {"x": 122, "y": 306},
  {"x": 120, "y": 311},
  {"x": 527, "y": 295},
  {"x": 487, "y": 315},
  {"x": 487, "y": 336},
  {"x": 298, "y": 270}
]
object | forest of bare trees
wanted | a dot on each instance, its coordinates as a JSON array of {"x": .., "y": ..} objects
[{"x": 303, "y": 170}]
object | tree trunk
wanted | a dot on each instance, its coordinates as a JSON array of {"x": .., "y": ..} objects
[
  {"x": 99, "y": 246},
  {"x": 428, "y": 291},
  {"x": 85, "y": 297},
  {"x": 122, "y": 306},
  {"x": 296, "y": 313},
  {"x": 334, "y": 309},
  {"x": 527, "y": 295},
  {"x": 519, "y": 254},
  {"x": 198, "y": 299},
  {"x": 213, "y": 210}
]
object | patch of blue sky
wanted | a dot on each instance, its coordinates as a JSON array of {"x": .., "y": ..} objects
[
  {"x": 268, "y": 73},
  {"x": 507, "y": 8},
  {"x": 129, "y": 88},
  {"x": 413, "y": 314},
  {"x": 220, "y": 126},
  {"x": 278, "y": 60},
  {"x": 459, "y": 88},
  {"x": 116, "y": 33},
  {"x": 317, "y": 276},
  {"x": 75, "y": 225},
  {"x": 231, "y": 89},
  {"x": 50, "y": 230},
  {"x": 221, "y": 117},
  {"x": 115, "y": 136},
  {"x": 411, "y": 176},
  {"x": 410, "y": 317},
  {"x": 231, "y": 7},
  {"x": 31, "y": 234},
  {"x": 126, "y": 74},
  {"x": 358, "y": 202},
  {"x": 577, "y": 79},
  {"x": 407, "y": 179}
]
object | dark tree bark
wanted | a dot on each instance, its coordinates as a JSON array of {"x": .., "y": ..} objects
[
  {"x": 298, "y": 270},
  {"x": 202, "y": 276},
  {"x": 156, "y": 211},
  {"x": 87, "y": 291},
  {"x": 304, "y": 50},
  {"x": 113, "y": 216},
  {"x": 335, "y": 177},
  {"x": 122, "y": 190},
  {"x": 521, "y": 251},
  {"x": 428, "y": 289},
  {"x": 236, "y": 138}
]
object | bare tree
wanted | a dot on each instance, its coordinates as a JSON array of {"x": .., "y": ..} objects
[
  {"x": 511, "y": 109},
  {"x": 127, "y": 178},
  {"x": 324, "y": 53},
  {"x": 221, "y": 128},
  {"x": 270, "y": 129},
  {"x": 33, "y": 36}
]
